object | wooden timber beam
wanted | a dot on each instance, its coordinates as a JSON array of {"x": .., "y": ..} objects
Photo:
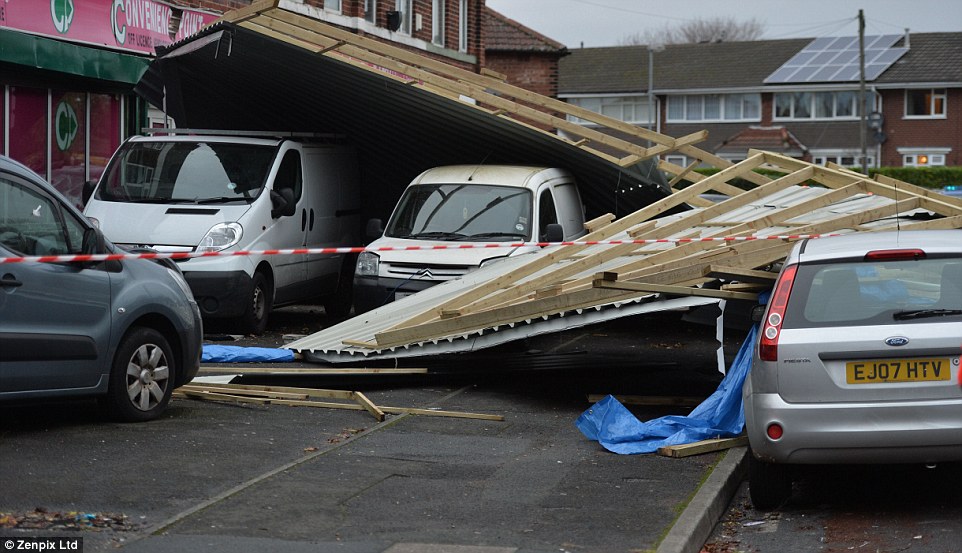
[{"x": 675, "y": 290}]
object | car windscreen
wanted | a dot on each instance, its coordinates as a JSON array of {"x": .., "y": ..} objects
[
  {"x": 187, "y": 172},
  {"x": 879, "y": 292},
  {"x": 476, "y": 212}
]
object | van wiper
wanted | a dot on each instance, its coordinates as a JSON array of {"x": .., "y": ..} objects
[
  {"x": 923, "y": 313},
  {"x": 221, "y": 200},
  {"x": 437, "y": 235},
  {"x": 497, "y": 235}
]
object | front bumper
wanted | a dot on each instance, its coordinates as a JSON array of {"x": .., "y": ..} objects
[
  {"x": 220, "y": 294},
  {"x": 891, "y": 432},
  {"x": 373, "y": 292}
]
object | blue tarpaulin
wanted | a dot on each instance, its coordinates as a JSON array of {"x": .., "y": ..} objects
[
  {"x": 719, "y": 416},
  {"x": 240, "y": 354}
]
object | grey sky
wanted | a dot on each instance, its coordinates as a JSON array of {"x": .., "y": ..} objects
[{"x": 606, "y": 22}]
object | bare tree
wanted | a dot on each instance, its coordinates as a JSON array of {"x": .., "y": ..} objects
[{"x": 718, "y": 29}]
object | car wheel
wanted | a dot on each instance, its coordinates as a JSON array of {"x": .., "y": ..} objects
[
  {"x": 769, "y": 484},
  {"x": 258, "y": 305},
  {"x": 338, "y": 305},
  {"x": 141, "y": 377}
]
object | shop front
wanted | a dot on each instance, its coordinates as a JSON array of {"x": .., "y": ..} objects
[{"x": 67, "y": 72}]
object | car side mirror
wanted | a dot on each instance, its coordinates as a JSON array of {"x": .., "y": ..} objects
[
  {"x": 93, "y": 242},
  {"x": 554, "y": 232},
  {"x": 282, "y": 202},
  {"x": 758, "y": 312},
  {"x": 374, "y": 229},
  {"x": 88, "y": 191}
]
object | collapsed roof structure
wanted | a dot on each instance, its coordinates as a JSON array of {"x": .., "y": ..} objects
[
  {"x": 407, "y": 112},
  {"x": 729, "y": 250}
]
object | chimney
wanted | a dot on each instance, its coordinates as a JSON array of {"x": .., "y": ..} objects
[{"x": 906, "y": 38}]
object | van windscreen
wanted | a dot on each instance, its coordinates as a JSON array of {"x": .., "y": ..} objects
[
  {"x": 187, "y": 172},
  {"x": 462, "y": 212}
]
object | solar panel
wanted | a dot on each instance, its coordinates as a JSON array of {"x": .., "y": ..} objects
[{"x": 836, "y": 59}]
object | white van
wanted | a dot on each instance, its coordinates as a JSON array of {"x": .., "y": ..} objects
[
  {"x": 226, "y": 193},
  {"x": 464, "y": 204}
]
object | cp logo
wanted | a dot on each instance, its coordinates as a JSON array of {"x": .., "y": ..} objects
[{"x": 61, "y": 11}]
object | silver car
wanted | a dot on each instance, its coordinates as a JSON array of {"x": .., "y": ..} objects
[
  {"x": 858, "y": 358},
  {"x": 127, "y": 331}
]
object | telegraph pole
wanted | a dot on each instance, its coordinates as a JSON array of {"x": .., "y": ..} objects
[{"x": 861, "y": 91}]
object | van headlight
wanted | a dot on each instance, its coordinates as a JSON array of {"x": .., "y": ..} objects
[
  {"x": 367, "y": 264},
  {"x": 220, "y": 237}
]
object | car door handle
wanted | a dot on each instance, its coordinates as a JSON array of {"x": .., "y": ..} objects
[
  {"x": 10, "y": 280},
  {"x": 303, "y": 219}
]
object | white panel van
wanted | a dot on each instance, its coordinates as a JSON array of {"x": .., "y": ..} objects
[
  {"x": 463, "y": 205},
  {"x": 226, "y": 193}
]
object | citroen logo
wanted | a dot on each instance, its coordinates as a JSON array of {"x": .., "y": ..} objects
[
  {"x": 897, "y": 341},
  {"x": 426, "y": 273}
]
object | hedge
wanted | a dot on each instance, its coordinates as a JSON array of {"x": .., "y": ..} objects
[{"x": 928, "y": 177}]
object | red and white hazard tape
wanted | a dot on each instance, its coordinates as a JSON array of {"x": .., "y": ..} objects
[{"x": 329, "y": 251}]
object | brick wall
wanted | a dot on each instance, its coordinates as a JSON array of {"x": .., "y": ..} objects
[
  {"x": 535, "y": 72},
  {"x": 921, "y": 133}
]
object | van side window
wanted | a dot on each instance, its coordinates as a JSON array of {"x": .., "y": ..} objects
[
  {"x": 547, "y": 214},
  {"x": 289, "y": 174}
]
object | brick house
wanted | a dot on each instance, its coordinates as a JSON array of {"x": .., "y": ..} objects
[{"x": 731, "y": 90}]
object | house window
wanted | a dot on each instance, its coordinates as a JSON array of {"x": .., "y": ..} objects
[
  {"x": 817, "y": 105},
  {"x": 714, "y": 107},
  {"x": 332, "y": 5},
  {"x": 845, "y": 159},
  {"x": 437, "y": 22},
  {"x": 631, "y": 109},
  {"x": 462, "y": 25},
  {"x": 406, "y": 9},
  {"x": 370, "y": 11},
  {"x": 925, "y": 103},
  {"x": 923, "y": 160},
  {"x": 681, "y": 161}
]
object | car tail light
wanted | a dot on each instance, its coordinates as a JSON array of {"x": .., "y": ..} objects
[
  {"x": 772, "y": 325},
  {"x": 894, "y": 255}
]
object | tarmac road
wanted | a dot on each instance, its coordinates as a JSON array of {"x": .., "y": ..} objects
[{"x": 227, "y": 477}]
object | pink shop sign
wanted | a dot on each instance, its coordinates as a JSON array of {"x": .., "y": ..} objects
[{"x": 133, "y": 25}]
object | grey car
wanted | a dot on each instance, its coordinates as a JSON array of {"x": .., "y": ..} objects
[
  {"x": 127, "y": 331},
  {"x": 857, "y": 360}
]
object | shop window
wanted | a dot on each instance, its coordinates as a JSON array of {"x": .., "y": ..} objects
[
  {"x": 28, "y": 127},
  {"x": 105, "y": 135},
  {"x": 68, "y": 143}
]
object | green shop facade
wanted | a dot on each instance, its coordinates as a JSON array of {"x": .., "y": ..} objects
[{"x": 67, "y": 72}]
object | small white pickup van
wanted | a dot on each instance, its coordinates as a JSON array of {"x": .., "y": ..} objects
[
  {"x": 464, "y": 204},
  {"x": 227, "y": 193}
]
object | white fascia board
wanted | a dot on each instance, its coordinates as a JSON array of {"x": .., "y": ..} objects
[
  {"x": 922, "y": 150},
  {"x": 917, "y": 85}
]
